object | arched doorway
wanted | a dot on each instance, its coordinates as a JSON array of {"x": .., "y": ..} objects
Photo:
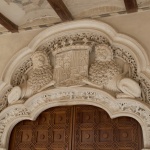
[{"x": 77, "y": 128}]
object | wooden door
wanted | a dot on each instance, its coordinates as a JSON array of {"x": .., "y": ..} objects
[
  {"x": 76, "y": 128},
  {"x": 51, "y": 131},
  {"x": 95, "y": 130}
]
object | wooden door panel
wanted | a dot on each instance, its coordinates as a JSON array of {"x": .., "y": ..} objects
[
  {"x": 76, "y": 128},
  {"x": 84, "y": 128},
  {"x": 105, "y": 135},
  {"x": 51, "y": 131},
  {"x": 94, "y": 129}
]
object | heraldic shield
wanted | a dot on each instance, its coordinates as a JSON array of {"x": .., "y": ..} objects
[{"x": 71, "y": 67}]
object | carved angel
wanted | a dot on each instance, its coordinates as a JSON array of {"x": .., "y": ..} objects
[
  {"x": 38, "y": 79},
  {"x": 105, "y": 73}
]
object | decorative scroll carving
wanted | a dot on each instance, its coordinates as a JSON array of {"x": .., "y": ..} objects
[{"x": 39, "y": 78}]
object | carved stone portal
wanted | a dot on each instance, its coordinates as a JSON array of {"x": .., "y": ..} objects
[{"x": 84, "y": 53}]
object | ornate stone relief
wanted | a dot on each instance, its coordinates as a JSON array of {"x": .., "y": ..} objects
[
  {"x": 77, "y": 66},
  {"x": 71, "y": 69},
  {"x": 70, "y": 46}
]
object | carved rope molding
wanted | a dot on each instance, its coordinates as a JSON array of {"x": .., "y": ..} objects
[
  {"x": 74, "y": 96},
  {"x": 84, "y": 33}
]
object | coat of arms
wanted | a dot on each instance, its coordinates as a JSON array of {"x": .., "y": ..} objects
[{"x": 71, "y": 67}]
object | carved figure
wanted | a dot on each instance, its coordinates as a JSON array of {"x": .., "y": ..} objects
[
  {"x": 38, "y": 79},
  {"x": 105, "y": 73}
]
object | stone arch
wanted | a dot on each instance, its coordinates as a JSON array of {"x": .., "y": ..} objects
[{"x": 123, "y": 46}]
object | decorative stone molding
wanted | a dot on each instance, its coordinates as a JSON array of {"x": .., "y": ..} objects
[
  {"x": 76, "y": 45},
  {"x": 73, "y": 96}
]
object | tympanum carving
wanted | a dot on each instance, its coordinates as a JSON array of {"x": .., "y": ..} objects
[{"x": 71, "y": 68}]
